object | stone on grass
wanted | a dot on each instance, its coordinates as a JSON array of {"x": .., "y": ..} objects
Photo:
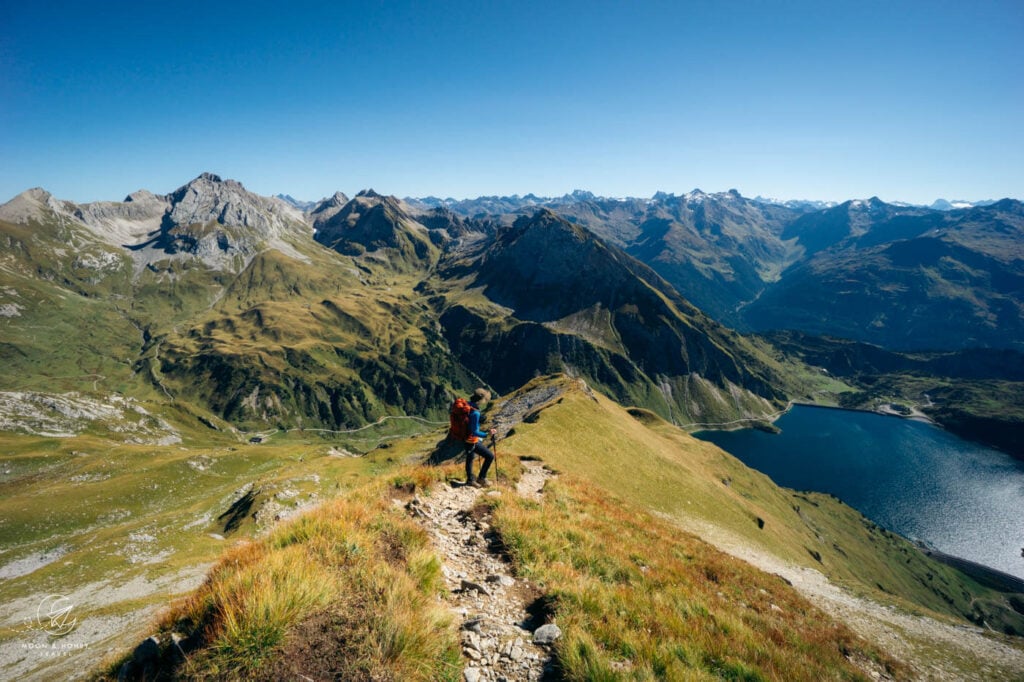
[{"x": 547, "y": 634}]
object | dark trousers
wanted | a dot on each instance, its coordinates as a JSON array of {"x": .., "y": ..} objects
[{"x": 478, "y": 448}]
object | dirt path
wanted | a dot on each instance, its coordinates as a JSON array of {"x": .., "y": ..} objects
[
  {"x": 498, "y": 631},
  {"x": 935, "y": 650}
]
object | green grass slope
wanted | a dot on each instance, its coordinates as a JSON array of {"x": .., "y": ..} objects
[
  {"x": 651, "y": 463},
  {"x": 350, "y": 591},
  {"x": 639, "y": 600},
  {"x": 296, "y": 344},
  {"x": 60, "y": 324}
]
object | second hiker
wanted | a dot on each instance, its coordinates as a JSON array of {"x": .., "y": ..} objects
[{"x": 474, "y": 443}]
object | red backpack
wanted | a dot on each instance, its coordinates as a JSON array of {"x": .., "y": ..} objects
[{"x": 458, "y": 420}]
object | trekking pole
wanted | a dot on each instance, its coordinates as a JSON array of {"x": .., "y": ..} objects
[{"x": 494, "y": 450}]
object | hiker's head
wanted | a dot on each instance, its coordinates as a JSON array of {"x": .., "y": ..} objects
[{"x": 480, "y": 396}]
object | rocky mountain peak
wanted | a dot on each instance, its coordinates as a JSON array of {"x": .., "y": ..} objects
[
  {"x": 444, "y": 222},
  {"x": 327, "y": 208},
  {"x": 580, "y": 195},
  {"x": 545, "y": 225},
  {"x": 32, "y": 204},
  {"x": 204, "y": 183},
  {"x": 382, "y": 225},
  {"x": 141, "y": 196},
  {"x": 208, "y": 198},
  {"x": 36, "y": 194}
]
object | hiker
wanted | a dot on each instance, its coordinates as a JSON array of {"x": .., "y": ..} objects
[{"x": 474, "y": 443}]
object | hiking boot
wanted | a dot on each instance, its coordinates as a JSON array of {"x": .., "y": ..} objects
[
  {"x": 481, "y": 483},
  {"x": 471, "y": 480}
]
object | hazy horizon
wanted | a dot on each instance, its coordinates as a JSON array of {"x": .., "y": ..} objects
[{"x": 448, "y": 197}]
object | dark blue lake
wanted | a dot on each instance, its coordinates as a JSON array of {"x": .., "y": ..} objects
[{"x": 911, "y": 477}]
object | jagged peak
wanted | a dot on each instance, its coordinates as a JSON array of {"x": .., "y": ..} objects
[
  {"x": 580, "y": 195},
  {"x": 544, "y": 219},
  {"x": 36, "y": 194},
  {"x": 206, "y": 179},
  {"x": 542, "y": 216},
  {"x": 335, "y": 201},
  {"x": 369, "y": 194},
  {"x": 204, "y": 185}
]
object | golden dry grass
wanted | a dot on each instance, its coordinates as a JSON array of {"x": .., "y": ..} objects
[
  {"x": 638, "y": 599},
  {"x": 355, "y": 578}
]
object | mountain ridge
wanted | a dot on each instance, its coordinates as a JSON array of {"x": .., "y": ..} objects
[{"x": 239, "y": 302}]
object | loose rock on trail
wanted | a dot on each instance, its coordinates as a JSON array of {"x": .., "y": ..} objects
[{"x": 494, "y": 609}]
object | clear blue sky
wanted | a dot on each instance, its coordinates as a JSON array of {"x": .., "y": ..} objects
[{"x": 827, "y": 100}]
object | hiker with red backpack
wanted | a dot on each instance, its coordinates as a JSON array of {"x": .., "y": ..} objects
[{"x": 465, "y": 425}]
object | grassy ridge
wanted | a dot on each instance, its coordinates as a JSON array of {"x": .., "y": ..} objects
[
  {"x": 348, "y": 591},
  {"x": 659, "y": 467},
  {"x": 637, "y": 599}
]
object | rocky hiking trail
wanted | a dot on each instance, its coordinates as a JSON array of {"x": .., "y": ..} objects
[{"x": 503, "y": 638}]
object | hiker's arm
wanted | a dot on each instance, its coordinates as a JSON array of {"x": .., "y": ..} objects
[{"x": 474, "y": 425}]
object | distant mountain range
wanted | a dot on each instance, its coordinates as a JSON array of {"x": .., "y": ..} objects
[
  {"x": 243, "y": 308},
  {"x": 254, "y": 309},
  {"x": 842, "y": 269},
  {"x": 515, "y": 202}
]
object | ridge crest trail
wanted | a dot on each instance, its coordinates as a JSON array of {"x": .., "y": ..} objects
[{"x": 496, "y": 611}]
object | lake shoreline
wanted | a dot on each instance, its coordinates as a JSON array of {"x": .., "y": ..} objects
[
  {"x": 866, "y": 456},
  {"x": 760, "y": 423},
  {"x": 884, "y": 410},
  {"x": 767, "y": 423},
  {"x": 960, "y": 431}
]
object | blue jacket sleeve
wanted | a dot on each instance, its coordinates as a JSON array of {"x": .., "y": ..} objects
[{"x": 474, "y": 424}]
